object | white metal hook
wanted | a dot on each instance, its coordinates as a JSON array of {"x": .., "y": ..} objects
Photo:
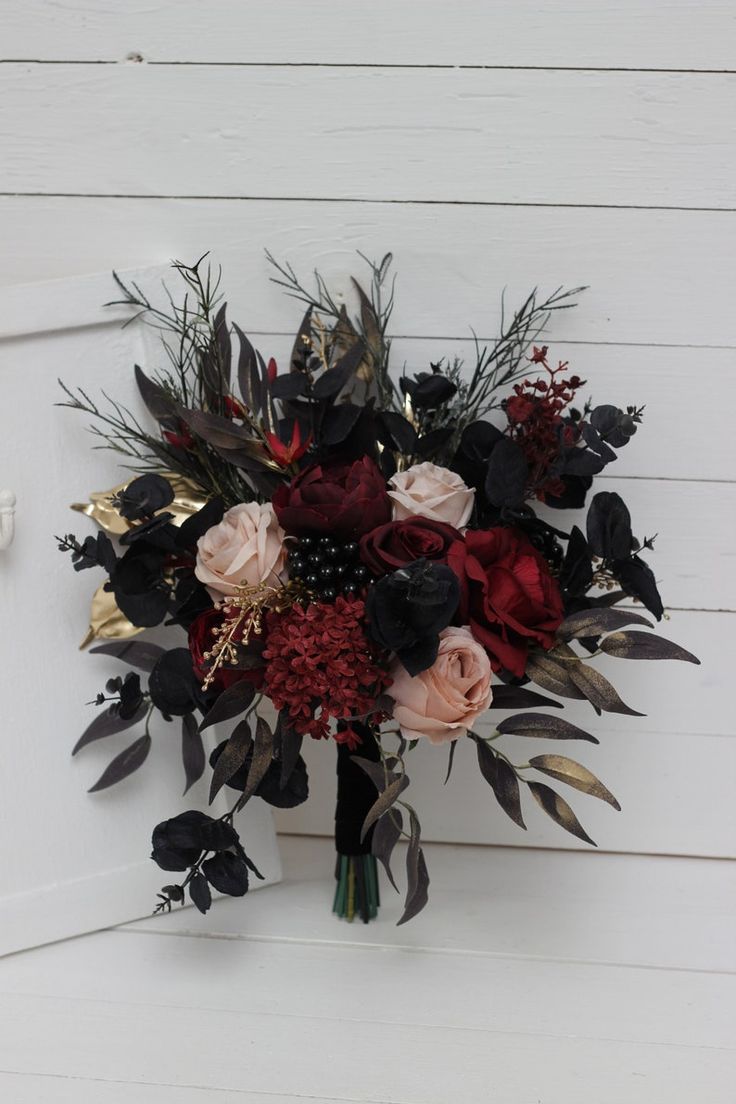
[{"x": 7, "y": 519}]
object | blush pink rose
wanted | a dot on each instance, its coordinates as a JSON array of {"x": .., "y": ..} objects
[
  {"x": 427, "y": 490},
  {"x": 444, "y": 701},
  {"x": 247, "y": 547}
]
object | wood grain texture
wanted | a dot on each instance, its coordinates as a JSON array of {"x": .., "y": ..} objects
[
  {"x": 656, "y": 140},
  {"x": 660, "y": 277},
  {"x": 546, "y": 33}
]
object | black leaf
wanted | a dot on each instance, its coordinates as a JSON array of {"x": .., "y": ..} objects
[
  {"x": 544, "y": 727},
  {"x": 637, "y": 579},
  {"x": 518, "y": 697},
  {"x": 609, "y": 527},
  {"x": 398, "y": 433},
  {"x": 641, "y": 645},
  {"x": 231, "y": 703},
  {"x": 192, "y": 751},
  {"x": 160, "y": 404},
  {"x": 124, "y": 764},
  {"x": 227, "y": 873},
  {"x": 106, "y": 724},
  {"x": 230, "y": 757},
  {"x": 417, "y": 876},
  {"x": 386, "y": 835},
  {"x": 248, "y": 376},
  {"x": 339, "y": 421},
  {"x": 290, "y": 744},
  {"x": 506, "y": 474},
  {"x": 289, "y": 386},
  {"x": 199, "y": 892},
  {"x": 136, "y": 653},
  {"x": 501, "y": 778}
]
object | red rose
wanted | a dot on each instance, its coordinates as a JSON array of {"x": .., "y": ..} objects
[
  {"x": 401, "y": 542},
  {"x": 340, "y": 499},
  {"x": 202, "y": 639},
  {"x": 508, "y": 597}
]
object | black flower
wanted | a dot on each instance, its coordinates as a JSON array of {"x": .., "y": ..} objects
[{"x": 408, "y": 609}]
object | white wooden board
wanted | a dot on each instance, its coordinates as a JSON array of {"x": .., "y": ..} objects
[
  {"x": 72, "y": 861},
  {"x": 543, "y": 976},
  {"x": 510, "y": 132},
  {"x": 662, "y": 277},
  {"x": 546, "y": 34}
]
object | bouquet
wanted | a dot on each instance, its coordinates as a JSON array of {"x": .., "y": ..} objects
[{"x": 359, "y": 557}]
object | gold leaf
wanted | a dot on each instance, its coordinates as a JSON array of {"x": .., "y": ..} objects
[
  {"x": 106, "y": 622},
  {"x": 188, "y": 499},
  {"x": 574, "y": 774},
  {"x": 557, "y": 808}
]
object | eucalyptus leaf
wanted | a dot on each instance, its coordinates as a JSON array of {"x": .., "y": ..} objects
[
  {"x": 599, "y": 691},
  {"x": 574, "y": 774},
  {"x": 192, "y": 751},
  {"x": 107, "y": 724},
  {"x": 595, "y": 622},
  {"x": 232, "y": 757},
  {"x": 136, "y": 653},
  {"x": 417, "y": 876},
  {"x": 386, "y": 835},
  {"x": 502, "y": 780},
  {"x": 230, "y": 703},
  {"x": 262, "y": 756},
  {"x": 383, "y": 803},
  {"x": 124, "y": 764},
  {"x": 641, "y": 645},
  {"x": 557, "y": 808},
  {"x": 553, "y": 675},
  {"x": 519, "y": 697},
  {"x": 540, "y": 726}
]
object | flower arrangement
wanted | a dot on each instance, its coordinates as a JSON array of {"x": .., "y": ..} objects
[{"x": 372, "y": 555}]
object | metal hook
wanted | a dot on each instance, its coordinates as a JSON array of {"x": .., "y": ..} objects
[{"x": 7, "y": 519}]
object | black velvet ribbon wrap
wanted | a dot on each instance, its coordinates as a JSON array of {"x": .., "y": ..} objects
[{"x": 356, "y": 793}]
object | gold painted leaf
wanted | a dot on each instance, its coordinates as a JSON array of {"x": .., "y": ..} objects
[
  {"x": 106, "y": 622},
  {"x": 574, "y": 774},
  {"x": 188, "y": 499},
  {"x": 557, "y": 808}
]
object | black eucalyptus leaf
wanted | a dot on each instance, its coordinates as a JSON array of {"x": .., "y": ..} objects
[
  {"x": 124, "y": 764},
  {"x": 540, "y": 726},
  {"x": 417, "y": 877},
  {"x": 396, "y": 432},
  {"x": 506, "y": 474},
  {"x": 558, "y": 810},
  {"x": 501, "y": 778},
  {"x": 231, "y": 703},
  {"x": 227, "y": 873},
  {"x": 637, "y": 580},
  {"x": 229, "y": 757},
  {"x": 192, "y": 751},
  {"x": 289, "y": 386},
  {"x": 641, "y": 645},
  {"x": 609, "y": 527},
  {"x": 519, "y": 697},
  {"x": 136, "y": 653},
  {"x": 196, "y": 525},
  {"x": 593, "y": 622},
  {"x": 107, "y": 724},
  {"x": 386, "y": 834},
  {"x": 199, "y": 893},
  {"x": 143, "y": 497}
]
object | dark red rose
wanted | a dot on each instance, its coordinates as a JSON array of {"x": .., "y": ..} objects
[
  {"x": 508, "y": 597},
  {"x": 401, "y": 542},
  {"x": 344, "y": 500},
  {"x": 202, "y": 639}
]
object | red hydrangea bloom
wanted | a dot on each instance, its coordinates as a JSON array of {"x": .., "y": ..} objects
[{"x": 321, "y": 665}]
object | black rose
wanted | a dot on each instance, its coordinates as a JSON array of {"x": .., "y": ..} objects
[{"x": 408, "y": 609}]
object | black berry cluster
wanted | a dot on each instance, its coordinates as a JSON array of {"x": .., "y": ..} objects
[{"x": 328, "y": 567}]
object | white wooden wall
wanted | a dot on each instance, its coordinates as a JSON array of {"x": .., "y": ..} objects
[{"x": 485, "y": 144}]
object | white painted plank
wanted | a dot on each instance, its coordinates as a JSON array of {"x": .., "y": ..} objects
[
  {"x": 415, "y": 1065},
  {"x": 24, "y": 1088},
  {"x": 530, "y": 996},
  {"x": 674, "y": 913},
  {"x": 452, "y": 261},
  {"x": 642, "y": 140},
  {"x": 544, "y": 33}
]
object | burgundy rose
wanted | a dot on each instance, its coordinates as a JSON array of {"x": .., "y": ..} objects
[
  {"x": 508, "y": 597},
  {"x": 338, "y": 499},
  {"x": 202, "y": 639},
  {"x": 401, "y": 542}
]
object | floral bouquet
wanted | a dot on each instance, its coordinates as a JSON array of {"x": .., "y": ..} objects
[{"x": 369, "y": 553}]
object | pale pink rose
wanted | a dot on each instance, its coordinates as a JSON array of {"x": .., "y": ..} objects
[
  {"x": 246, "y": 547},
  {"x": 427, "y": 490},
  {"x": 444, "y": 701}
]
